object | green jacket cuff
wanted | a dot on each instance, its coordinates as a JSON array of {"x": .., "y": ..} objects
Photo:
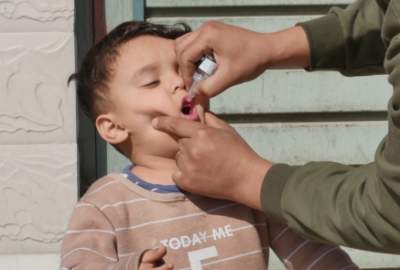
[
  {"x": 272, "y": 189},
  {"x": 326, "y": 41}
]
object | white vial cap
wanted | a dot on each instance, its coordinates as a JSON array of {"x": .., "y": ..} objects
[{"x": 208, "y": 66}]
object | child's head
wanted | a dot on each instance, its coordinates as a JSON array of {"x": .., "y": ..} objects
[{"x": 127, "y": 79}]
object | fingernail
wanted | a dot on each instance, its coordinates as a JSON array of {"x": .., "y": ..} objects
[
  {"x": 154, "y": 122},
  {"x": 156, "y": 247}
]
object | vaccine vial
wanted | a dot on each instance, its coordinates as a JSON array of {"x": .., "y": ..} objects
[{"x": 205, "y": 69}]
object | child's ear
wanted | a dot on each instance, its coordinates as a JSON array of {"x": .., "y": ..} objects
[{"x": 110, "y": 130}]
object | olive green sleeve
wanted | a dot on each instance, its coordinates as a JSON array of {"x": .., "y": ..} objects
[
  {"x": 348, "y": 40},
  {"x": 357, "y": 206}
]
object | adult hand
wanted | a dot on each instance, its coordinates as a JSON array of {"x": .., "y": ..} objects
[
  {"x": 241, "y": 54},
  {"x": 214, "y": 161}
]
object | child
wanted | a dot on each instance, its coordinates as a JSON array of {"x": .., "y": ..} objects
[{"x": 126, "y": 80}]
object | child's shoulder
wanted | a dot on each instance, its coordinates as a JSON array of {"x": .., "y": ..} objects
[
  {"x": 103, "y": 182},
  {"x": 107, "y": 190}
]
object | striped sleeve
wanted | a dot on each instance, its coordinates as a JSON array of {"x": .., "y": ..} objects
[
  {"x": 297, "y": 252},
  {"x": 90, "y": 243}
]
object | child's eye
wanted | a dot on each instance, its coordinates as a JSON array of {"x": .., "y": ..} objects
[{"x": 152, "y": 83}]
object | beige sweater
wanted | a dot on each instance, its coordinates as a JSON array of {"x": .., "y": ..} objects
[{"x": 115, "y": 221}]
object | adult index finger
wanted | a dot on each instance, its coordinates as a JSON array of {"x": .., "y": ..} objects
[
  {"x": 178, "y": 126},
  {"x": 188, "y": 55},
  {"x": 212, "y": 120},
  {"x": 187, "y": 69},
  {"x": 182, "y": 42}
]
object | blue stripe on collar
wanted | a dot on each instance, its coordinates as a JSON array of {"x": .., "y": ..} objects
[{"x": 127, "y": 172}]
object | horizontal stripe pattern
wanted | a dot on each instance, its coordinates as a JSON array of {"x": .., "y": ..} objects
[{"x": 117, "y": 217}]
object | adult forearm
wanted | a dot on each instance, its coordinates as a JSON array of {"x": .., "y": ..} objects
[
  {"x": 245, "y": 192},
  {"x": 288, "y": 48}
]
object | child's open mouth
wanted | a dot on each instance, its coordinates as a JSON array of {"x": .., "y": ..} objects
[
  {"x": 188, "y": 109},
  {"x": 187, "y": 106}
]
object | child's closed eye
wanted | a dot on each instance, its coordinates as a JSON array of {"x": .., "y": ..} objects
[{"x": 152, "y": 83}]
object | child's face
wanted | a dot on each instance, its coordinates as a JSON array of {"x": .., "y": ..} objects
[{"x": 146, "y": 84}]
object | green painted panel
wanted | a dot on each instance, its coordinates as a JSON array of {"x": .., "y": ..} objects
[
  {"x": 115, "y": 161},
  {"x": 266, "y": 23},
  {"x": 297, "y": 143},
  {"x": 92, "y": 150},
  {"x": 298, "y": 91},
  {"x": 138, "y": 10},
  {"x": 374, "y": 260},
  {"x": 118, "y": 12},
  {"x": 279, "y": 91},
  {"x": 229, "y": 3}
]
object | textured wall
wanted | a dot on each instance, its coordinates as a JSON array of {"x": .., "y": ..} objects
[{"x": 38, "y": 152}]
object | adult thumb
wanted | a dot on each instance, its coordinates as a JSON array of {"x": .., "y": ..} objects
[
  {"x": 216, "y": 83},
  {"x": 213, "y": 121}
]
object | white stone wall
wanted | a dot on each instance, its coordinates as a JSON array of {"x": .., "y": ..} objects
[{"x": 38, "y": 145}]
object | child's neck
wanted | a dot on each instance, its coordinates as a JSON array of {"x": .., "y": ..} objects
[{"x": 155, "y": 169}]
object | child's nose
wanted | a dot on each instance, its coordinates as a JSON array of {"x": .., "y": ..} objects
[{"x": 177, "y": 83}]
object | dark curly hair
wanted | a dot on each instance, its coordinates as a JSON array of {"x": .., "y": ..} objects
[{"x": 96, "y": 70}]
